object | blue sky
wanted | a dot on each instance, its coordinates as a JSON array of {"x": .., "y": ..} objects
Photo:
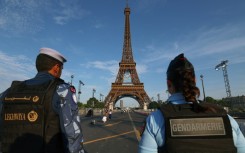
[{"x": 90, "y": 35}]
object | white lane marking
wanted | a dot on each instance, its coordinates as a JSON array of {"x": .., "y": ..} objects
[{"x": 135, "y": 130}]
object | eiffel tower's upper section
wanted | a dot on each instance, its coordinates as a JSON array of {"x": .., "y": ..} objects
[{"x": 127, "y": 56}]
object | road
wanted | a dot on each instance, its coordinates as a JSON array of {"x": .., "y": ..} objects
[{"x": 118, "y": 135}]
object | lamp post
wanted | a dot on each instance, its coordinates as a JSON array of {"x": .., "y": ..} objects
[
  {"x": 93, "y": 91},
  {"x": 158, "y": 98},
  {"x": 79, "y": 89},
  {"x": 204, "y": 97},
  {"x": 101, "y": 97},
  {"x": 72, "y": 76},
  {"x": 223, "y": 65}
]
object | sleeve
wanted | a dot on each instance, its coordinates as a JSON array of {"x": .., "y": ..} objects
[
  {"x": 238, "y": 137},
  {"x": 70, "y": 120},
  {"x": 153, "y": 135}
]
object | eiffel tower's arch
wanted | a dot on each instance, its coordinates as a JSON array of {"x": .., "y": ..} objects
[
  {"x": 119, "y": 91},
  {"x": 127, "y": 82},
  {"x": 127, "y": 101}
]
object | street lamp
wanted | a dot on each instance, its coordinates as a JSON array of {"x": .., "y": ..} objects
[
  {"x": 101, "y": 95},
  {"x": 72, "y": 76},
  {"x": 158, "y": 98},
  {"x": 204, "y": 98},
  {"x": 79, "y": 89},
  {"x": 223, "y": 65},
  {"x": 93, "y": 92}
]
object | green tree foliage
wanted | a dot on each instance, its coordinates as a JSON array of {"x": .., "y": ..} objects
[
  {"x": 154, "y": 105},
  {"x": 220, "y": 102},
  {"x": 100, "y": 105},
  {"x": 94, "y": 103},
  {"x": 80, "y": 105},
  {"x": 210, "y": 100}
]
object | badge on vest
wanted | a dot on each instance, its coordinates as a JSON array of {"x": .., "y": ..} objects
[
  {"x": 22, "y": 99},
  {"x": 32, "y": 116},
  {"x": 197, "y": 127}
]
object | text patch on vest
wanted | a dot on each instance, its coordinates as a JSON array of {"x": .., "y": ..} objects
[{"x": 197, "y": 127}]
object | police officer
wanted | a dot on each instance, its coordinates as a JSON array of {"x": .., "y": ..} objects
[
  {"x": 185, "y": 125},
  {"x": 40, "y": 115}
]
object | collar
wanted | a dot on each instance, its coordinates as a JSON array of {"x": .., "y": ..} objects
[
  {"x": 177, "y": 98},
  {"x": 44, "y": 75},
  {"x": 40, "y": 77}
]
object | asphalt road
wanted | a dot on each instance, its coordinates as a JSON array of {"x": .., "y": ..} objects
[{"x": 120, "y": 134}]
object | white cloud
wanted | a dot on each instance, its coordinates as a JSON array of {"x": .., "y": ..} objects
[
  {"x": 228, "y": 39},
  {"x": 98, "y": 25},
  {"x": 14, "y": 68},
  {"x": 141, "y": 68},
  {"x": 69, "y": 10},
  {"x": 218, "y": 40},
  {"x": 21, "y": 16},
  {"x": 111, "y": 66}
]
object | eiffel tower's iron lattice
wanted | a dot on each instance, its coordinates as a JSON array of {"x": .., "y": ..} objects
[{"x": 127, "y": 83}]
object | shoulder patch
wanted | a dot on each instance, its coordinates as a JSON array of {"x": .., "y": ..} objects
[{"x": 73, "y": 89}]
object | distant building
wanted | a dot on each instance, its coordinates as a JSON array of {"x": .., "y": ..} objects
[
  {"x": 236, "y": 102},
  {"x": 121, "y": 103}
]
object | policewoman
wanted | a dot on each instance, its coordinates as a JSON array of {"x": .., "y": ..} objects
[
  {"x": 184, "y": 125},
  {"x": 40, "y": 115}
]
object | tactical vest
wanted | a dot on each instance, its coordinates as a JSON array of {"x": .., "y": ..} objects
[
  {"x": 190, "y": 132},
  {"x": 29, "y": 123}
]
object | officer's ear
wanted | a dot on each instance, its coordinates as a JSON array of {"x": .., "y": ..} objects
[
  {"x": 56, "y": 70},
  {"x": 169, "y": 83},
  {"x": 171, "y": 88}
]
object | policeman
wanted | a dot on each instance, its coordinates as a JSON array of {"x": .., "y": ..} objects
[
  {"x": 40, "y": 115},
  {"x": 185, "y": 125}
]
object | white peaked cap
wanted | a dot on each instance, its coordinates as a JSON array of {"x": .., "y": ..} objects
[{"x": 53, "y": 53}]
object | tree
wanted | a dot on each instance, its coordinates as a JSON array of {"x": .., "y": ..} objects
[
  {"x": 210, "y": 100},
  {"x": 220, "y": 102},
  {"x": 100, "y": 105},
  {"x": 154, "y": 105},
  {"x": 94, "y": 103},
  {"x": 80, "y": 105}
]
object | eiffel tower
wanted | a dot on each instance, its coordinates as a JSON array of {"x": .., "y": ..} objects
[{"x": 127, "y": 83}]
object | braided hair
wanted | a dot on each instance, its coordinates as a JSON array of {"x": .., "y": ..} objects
[{"x": 182, "y": 75}]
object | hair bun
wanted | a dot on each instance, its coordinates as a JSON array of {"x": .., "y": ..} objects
[{"x": 179, "y": 63}]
